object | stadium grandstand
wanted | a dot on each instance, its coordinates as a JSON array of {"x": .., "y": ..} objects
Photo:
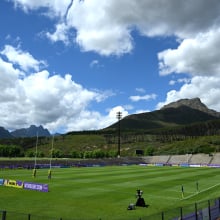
[{"x": 186, "y": 159}]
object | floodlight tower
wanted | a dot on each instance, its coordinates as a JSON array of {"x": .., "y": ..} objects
[{"x": 119, "y": 116}]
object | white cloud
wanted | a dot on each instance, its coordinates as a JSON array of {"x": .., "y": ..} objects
[
  {"x": 106, "y": 26},
  {"x": 141, "y": 90},
  {"x": 95, "y": 63},
  {"x": 97, "y": 30},
  {"x": 55, "y": 8},
  {"x": 181, "y": 80},
  {"x": 8, "y": 74},
  {"x": 142, "y": 111},
  {"x": 137, "y": 98},
  {"x": 128, "y": 107},
  {"x": 200, "y": 58},
  {"x": 172, "y": 82},
  {"x": 113, "y": 112},
  {"x": 56, "y": 102},
  {"x": 60, "y": 34},
  {"x": 90, "y": 120},
  {"x": 107, "y": 29},
  {"x": 197, "y": 56},
  {"x": 205, "y": 87},
  {"x": 23, "y": 59}
]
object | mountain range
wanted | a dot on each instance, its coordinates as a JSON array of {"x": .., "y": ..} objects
[
  {"x": 181, "y": 112},
  {"x": 32, "y": 131}
]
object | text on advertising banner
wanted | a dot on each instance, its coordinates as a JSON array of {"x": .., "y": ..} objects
[
  {"x": 13, "y": 183},
  {"x": 36, "y": 186}
]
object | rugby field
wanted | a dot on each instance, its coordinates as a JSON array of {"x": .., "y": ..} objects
[{"x": 105, "y": 192}]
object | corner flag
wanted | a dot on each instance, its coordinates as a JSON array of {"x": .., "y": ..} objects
[
  {"x": 182, "y": 191},
  {"x": 34, "y": 172}
]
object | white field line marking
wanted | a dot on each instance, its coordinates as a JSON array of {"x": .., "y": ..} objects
[
  {"x": 179, "y": 191},
  {"x": 201, "y": 191}
]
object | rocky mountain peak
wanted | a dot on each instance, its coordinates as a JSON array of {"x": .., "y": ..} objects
[
  {"x": 4, "y": 133},
  {"x": 32, "y": 131},
  {"x": 194, "y": 103}
]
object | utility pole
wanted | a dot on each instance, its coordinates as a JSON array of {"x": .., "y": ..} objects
[{"x": 119, "y": 116}]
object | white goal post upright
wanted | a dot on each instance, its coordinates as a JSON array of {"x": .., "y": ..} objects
[
  {"x": 35, "y": 158},
  {"x": 49, "y": 171}
]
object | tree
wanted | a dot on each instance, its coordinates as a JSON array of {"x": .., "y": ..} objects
[
  {"x": 10, "y": 151},
  {"x": 57, "y": 153},
  {"x": 149, "y": 151}
]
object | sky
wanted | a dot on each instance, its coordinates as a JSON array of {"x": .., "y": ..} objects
[{"x": 71, "y": 65}]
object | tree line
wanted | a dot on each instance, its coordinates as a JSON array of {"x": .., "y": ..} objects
[
  {"x": 10, "y": 151},
  {"x": 95, "y": 154},
  {"x": 20, "y": 147}
]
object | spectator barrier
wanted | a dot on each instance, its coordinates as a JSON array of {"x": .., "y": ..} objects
[{"x": 208, "y": 210}]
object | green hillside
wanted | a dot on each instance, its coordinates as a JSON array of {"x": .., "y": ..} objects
[
  {"x": 168, "y": 117},
  {"x": 104, "y": 146},
  {"x": 171, "y": 130}
]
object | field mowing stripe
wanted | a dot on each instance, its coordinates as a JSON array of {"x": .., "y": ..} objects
[
  {"x": 204, "y": 190},
  {"x": 179, "y": 191},
  {"x": 162, "y": 197}
]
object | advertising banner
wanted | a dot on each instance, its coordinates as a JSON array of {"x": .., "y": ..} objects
[
  {"x": 1, "y": 182},
  {"x": 36, "y": 186},
  {"x": 13, "y": 183}
]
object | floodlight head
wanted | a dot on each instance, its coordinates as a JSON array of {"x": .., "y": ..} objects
[{"x": 118, "y": 115}]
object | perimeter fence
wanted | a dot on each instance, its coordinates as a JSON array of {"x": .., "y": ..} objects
[{"x": 206, "y": 210}]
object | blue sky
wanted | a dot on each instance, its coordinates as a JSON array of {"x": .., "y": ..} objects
[{"x": 71, "y": 65}]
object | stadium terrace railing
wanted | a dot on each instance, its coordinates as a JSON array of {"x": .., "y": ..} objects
[{"x": 208, "y": 210}]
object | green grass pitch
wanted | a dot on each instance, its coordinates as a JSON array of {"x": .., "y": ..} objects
[{"x": 105, "y": 192}]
